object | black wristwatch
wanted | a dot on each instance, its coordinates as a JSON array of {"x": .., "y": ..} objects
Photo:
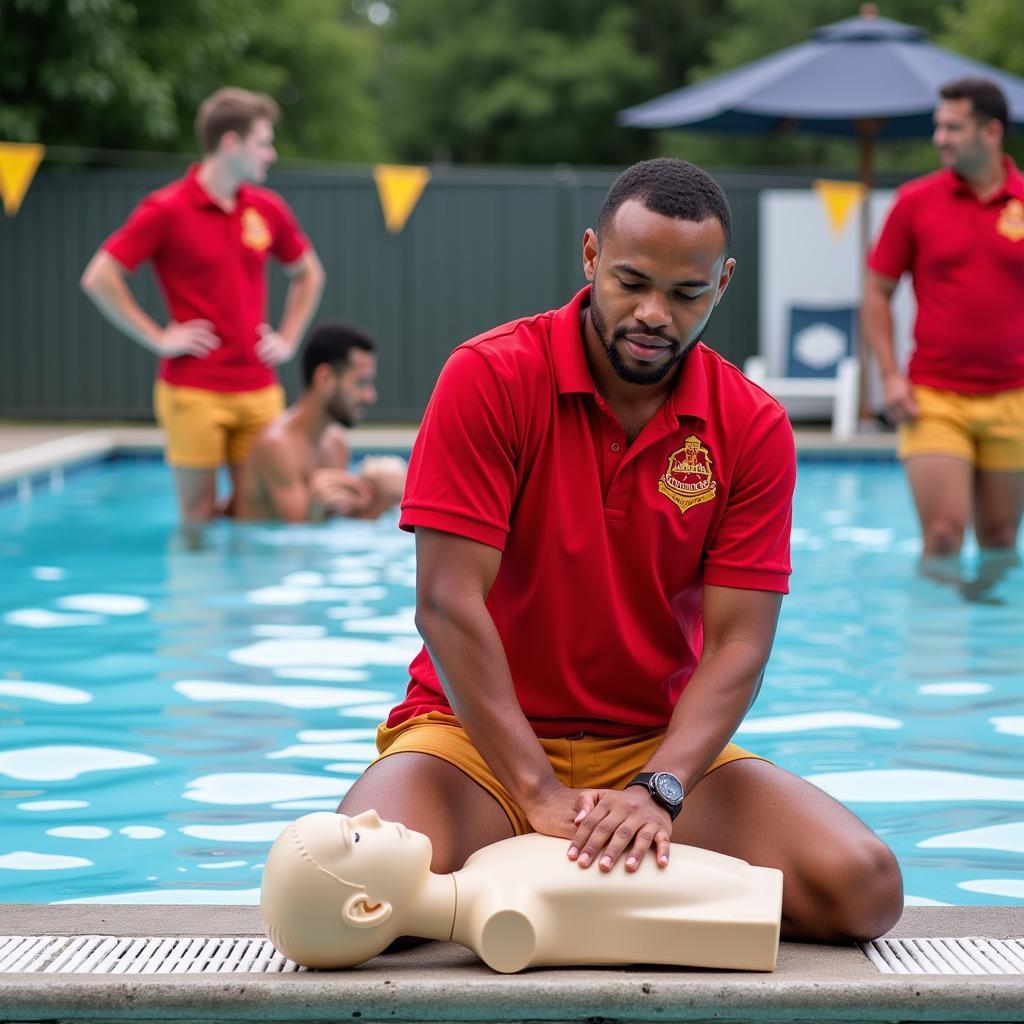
[{"x": 664, "y": 787}]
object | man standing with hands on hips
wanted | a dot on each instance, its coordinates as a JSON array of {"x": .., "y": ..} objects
[
  {"x": 959, "y": 232},
  {"x": 602, "y": 508},
  {"x": 208, "y": 236}
]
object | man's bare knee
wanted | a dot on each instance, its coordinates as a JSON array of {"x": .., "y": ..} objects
[
  {"x": 943, "y": 537},
  {"x": 998, "y": 537}
]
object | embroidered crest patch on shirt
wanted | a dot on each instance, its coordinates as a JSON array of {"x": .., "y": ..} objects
[
  {"x": 688, "y": 481},
  {"x": 1011, "y": 221},
  {"x": 255, "y": 231}
]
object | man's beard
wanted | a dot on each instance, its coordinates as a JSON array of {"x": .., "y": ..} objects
[
  {"x": 342, "y": 415},
  {"x": 636, "y": 375}
]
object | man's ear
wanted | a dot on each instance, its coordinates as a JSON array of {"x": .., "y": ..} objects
[
  {"x": 361, "y": 912},
  {"x": 229, "y": 142},
  {"x": 591, "y": 247},
  {"x": 323, "y": 377}
]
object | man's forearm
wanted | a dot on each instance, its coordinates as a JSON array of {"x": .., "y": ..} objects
[
  {"x": 301, "y": 303},
  {"x": 709, "y": 710},
  {"x": 113, "y": 298},
  {"x": 467, "y": 652},
  {"x": 878, "y": 328}
]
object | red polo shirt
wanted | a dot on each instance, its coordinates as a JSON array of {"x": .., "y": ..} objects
[
  {"x": 967, "y": 260},
  {"x": 211, "y": 265},
  {"x": 605, "y": 548}
]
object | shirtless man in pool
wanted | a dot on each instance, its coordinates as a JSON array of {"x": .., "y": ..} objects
[{"x": 298, "y": 467}]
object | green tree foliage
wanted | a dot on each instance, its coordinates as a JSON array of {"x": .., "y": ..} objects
[
  {"x": 532, "y": 81},
  {"x": 118, "y": 74},
  {"x": 988, "y": 30},
  {"x": 529, "y": 81}
]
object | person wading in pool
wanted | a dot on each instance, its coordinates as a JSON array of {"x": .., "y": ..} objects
[
  {"x": 602, "y": 509},
  {"x": 298, "y": 468},
  {"x": 959, "y": 233},
  {"x": 208, "y": 237}
]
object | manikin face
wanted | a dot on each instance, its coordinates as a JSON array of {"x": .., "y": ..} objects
[
  {"x": 381, "y": 856},
  {"x": 964, "y": 144},
  {"x": 337, "y": 889},
  {"x": 249, "y": 156},
  {"x": 353, "y": 388},
  {"x": 656, "y": 283}
]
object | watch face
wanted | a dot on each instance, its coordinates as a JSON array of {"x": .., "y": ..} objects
[{"x": 669, "y": 787}]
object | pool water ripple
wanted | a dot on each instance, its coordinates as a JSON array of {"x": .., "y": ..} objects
[{"x": 166, "y": 711}]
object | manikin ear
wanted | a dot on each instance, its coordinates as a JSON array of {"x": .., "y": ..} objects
[{"x": 361, "y": 912}]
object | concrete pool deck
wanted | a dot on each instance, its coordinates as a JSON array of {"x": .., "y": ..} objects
[
  {"x": 443, "y": 982},
  {"x": 31, "y": 449}
]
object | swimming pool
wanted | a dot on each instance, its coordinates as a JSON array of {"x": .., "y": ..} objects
[{"x": 166, "y": 711}]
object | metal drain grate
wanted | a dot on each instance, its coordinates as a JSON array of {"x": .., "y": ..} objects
[
  {"x": 972, "y": 955},
  {"x": 108, "y": 954}
]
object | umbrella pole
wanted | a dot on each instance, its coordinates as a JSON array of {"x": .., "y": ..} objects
[{"x": 867, "y": 129}]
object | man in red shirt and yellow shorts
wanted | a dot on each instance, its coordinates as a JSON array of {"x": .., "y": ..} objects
[
  {"x": 960, "y": 233},
  {"x": 208, "y": 236},
  {"x": 602, "y": 508}
]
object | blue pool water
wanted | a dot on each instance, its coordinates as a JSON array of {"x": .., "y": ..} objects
[{"x": 164, "y": 712}]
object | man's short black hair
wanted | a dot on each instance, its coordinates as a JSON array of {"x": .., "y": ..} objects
[
  {"x": 988, "y": 102},
  {"x": 331, "y": 343},
  {"x": 672, "y": 188}
]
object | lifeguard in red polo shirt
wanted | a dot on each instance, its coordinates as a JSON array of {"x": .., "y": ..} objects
[
  {"x": 602, "y": 509},
  {"x": 209, "y": 236},
  {"x": 960, "y": 233}
]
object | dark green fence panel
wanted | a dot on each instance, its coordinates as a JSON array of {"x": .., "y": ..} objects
[{"x": 483, "y": 246}]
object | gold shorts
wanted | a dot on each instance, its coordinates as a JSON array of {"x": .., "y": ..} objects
[
  {"x": 206, "y": 429},
  {"x": 582, "y": 761},
  {"x": 986, "y": 430}
]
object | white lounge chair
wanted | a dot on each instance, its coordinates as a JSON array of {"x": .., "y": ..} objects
[{"x": 820, "y": 363}]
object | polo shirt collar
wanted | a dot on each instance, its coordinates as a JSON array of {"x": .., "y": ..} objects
[
  {"x": 200, "y": 196},
  {"x": 1013, "y": 184},
  {"x": 572, "y": 374}
]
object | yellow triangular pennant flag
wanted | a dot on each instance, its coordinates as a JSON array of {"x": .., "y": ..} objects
[
  {"x": 18, "y": 163},
  {"x": 399, "y": 189},
  {"x": 841, "y": 198}
]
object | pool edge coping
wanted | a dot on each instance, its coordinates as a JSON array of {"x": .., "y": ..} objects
[{"x": 441, "y": 981}]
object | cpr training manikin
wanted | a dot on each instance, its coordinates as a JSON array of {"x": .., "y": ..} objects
[{"x": 338, "y": 890}]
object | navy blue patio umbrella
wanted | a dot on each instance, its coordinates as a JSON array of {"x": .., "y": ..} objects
[{"x": 865, "y": 77}]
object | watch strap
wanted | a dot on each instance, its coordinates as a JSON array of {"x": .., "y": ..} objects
[{"x": 645, "y": 779}]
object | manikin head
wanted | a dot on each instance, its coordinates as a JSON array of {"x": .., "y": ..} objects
[{"x": 337, "y": 890}]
